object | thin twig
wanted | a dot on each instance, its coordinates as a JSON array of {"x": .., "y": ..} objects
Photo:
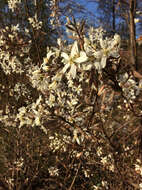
[{"x": 75, "y": 176}]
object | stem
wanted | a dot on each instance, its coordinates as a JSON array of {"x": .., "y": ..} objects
[{"x": 75, "y": 176}]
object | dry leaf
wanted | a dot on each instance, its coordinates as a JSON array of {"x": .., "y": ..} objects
[{"x": 137, "y": 75}]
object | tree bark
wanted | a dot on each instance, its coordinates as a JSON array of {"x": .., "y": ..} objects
[{"x": 133, "y": 49}]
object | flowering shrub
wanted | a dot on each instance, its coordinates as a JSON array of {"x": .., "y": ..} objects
[{"x": 72, "y": 120}]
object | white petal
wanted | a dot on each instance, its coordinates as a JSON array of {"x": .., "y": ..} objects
[
  {"x": 66, "y": 67},
  {"x": 77, "y": 140},
  {"x": 117, "y": 38},
  {"x": 37, "y": 121},
  {"x": 57, "y": 77},
  {"x": 59, "y": 41},
  {"x": 53, "y": 85},
  {"x": 82, "y": 54},
  {"x": 65, "y": 55},
  {"x": 83, "y": 58},
  {"x": 98, "y": 54},
  {"x": 38, "y": 100},
  {"x": 87, "y": 67},
  {"x": 74, "y": 102},
  {"x": 51, "y": 98},
  {"x": 49, "y": 54},
  {"x": 103, "y": 61},
  {"x": 73, "y": 71},
  {"x": 74, "y": 50},
  {"x": 103, "y": 43},
  {"x": 98, "y": 65}
]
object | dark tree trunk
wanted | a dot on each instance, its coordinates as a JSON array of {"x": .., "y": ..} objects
[{"x": 133, "y": 49}]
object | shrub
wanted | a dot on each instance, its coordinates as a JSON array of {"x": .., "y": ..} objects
[{"x": 71, "y": 115}]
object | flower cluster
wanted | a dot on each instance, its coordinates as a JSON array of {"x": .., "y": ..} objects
[
  {"x": 34, "y": 22},
  {"x": 12, "y": 4}
]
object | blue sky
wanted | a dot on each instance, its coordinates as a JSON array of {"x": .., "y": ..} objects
[
  {"x": 91, "y": 6},
  {"x": 91, "y": 10}
]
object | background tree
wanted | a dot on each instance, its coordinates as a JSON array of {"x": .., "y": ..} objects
[
  {"x": 106, "y": 14},
  {"x": 132, "y": 13},
  {"x": 139, "y": 18},
  {"x": 113, "y": 16}
]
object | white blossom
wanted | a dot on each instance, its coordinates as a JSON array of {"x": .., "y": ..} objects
[{"x": 73, "y": 60}]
